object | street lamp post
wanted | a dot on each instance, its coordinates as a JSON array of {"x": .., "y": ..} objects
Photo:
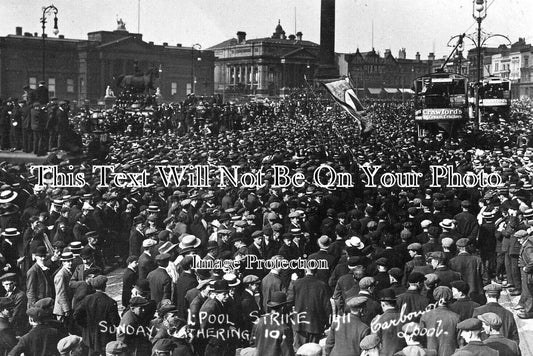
[
  {"x": 51, "y": 9},
  {"x": 479, "y": 12},
  {"x": 197, "y": 47}
]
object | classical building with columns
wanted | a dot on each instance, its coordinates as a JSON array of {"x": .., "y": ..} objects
[{"x": 264, "y": 66}]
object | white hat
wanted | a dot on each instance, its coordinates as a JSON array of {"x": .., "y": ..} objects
[
  {"x": 355, "y": 241},
  {"x": 87, "y": 206}
]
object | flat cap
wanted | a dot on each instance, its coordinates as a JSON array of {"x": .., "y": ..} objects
[
  {"x": 369, "y": 342},
  {"x": 356, "y": 302},
  {"x": 414, "y": 246},
  {"x": 366, "y": 282},
  {"x": 461, "y": 286},
  {"x": 115, "y": 347},
  {"x": 442, "y": 292},
  {"x": 45, "y": 303},
  {"x": 251, "y": 279},
  {"x": 9, "y": 277},
  {"x": 492, "y": 288},
  {"x": 416, "y": 277},
  {"x": 138, "y": 302},
  {"x": 447, "y": 242},
  {"x": 277, "y": 227},
  {"x": 425, "y": 223},
  {"x": 470, "y": 324},
  {"x": 520, "y": 234},
  {"x": 382, "y": 261},
  {"x": 68, "y": 344},
  {"x": 491, "y": 319},
  {"x": 397, "y": 273},
  {"x": 98, "y": 282},
  {"x": 438, "y": 255},
  {"x": 462, "y": 242},
  {"x": 36, "y": 313}
]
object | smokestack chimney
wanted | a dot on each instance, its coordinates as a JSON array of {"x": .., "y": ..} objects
[
  {"x": 431, "y": 56},
  {"x": 417, "y": 56},
  {"x": 61, "y": 36},
  {"x": 241, "y": 37},
  {"x": 292, "y": 37},
  {"x": 387, "y": 52},
  {"x": 165, "y": 44},
  {"x": 402, "y": 54},
  {"x": 299, "y": 36},
  {"x": 18, "y": 31}
]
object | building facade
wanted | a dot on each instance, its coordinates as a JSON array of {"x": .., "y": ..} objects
[
  {"x": 80, "y": 70},
  {"x": 264, "y": 66},
  {"x": 377, "y": 76}
]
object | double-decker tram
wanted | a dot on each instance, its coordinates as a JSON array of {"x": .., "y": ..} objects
[
  {"x": 441, "y": 103},
  {"x": 494, "y": 98}
]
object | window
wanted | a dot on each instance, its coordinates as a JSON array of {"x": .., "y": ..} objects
[
  {"x": 189, "y": 88},
  {"x": 52, "y": 87},
  {"x": 526, "y": 61},
  {"x": 173, "y": 88},
  {"x": 33, "y": 83},
  {"x": 496, "y": 66},
  {"x": 70, "y": 85}
]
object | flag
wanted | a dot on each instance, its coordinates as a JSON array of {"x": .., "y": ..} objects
[{"x": 344, "y": 94}]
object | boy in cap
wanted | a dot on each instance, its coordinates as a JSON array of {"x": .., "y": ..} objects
[
  {"x": 411, "y": 334},
  {"x": 470, "y": 331},
  {"x": 412, "y": 299},
  {"x": 370, "y": 345},
  {"x": 133, "y": 328},
  {"x": 309, "y": 349},
  {"x": 463, "y": 305},
  {"x": 116, "y": 348},
  {"x": 470, "y": 267}
]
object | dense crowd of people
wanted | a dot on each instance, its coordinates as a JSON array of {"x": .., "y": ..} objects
[{"x": 397, "y": 271}]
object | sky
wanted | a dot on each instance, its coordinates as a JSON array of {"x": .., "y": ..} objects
[{"x": 417, "y": 25}]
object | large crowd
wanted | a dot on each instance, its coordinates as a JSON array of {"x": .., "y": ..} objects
[{"x": 409, "y": 271}]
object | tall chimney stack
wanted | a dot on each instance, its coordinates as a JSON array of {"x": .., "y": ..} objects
[
  {"x": 18, "y": 31},
  {"x": 241, "y": 37},
  {"x": 327, "y": 67}
]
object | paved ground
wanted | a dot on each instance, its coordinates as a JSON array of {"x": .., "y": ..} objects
[{"x": 20, "y": 157}]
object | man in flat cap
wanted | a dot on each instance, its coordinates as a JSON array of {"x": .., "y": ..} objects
[
  {"x": 443, "y": 321},
  {"x": 250, "y": 309},
  {"x": 19, "y": 320},
  {"x": 98, "y": 317},
  {"x": 129, "y": 278},
  {"x": 445, "y": 274},
  {"x": 492, "y": 293},
  {"x": 42, "y": 338},
  {"x": 470, "y": 331},
  {"x": 470, "y": 267},
  {"x": 492, "y": 324},
  {"x": 271, "y": 283},
  {"x": 136, "y": 236},
  {"x": 367, "y": 287},
  {"x": 71, "y": 345},
  {"x": 160, "y": 282},
  {"x": 415, "y": 253},
  {"x": 7, "y": 334},
  {"x": 346, "y": 332},
  {"x": 309, "y": 349}
]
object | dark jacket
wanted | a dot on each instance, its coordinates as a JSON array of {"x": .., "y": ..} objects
[
  {"x": 390, "y": 342},
  {"x": 185, "y": 282},
  {"x": 39, "y": 284},
  {"x": 38, "y": 119},
  {"x": 478, "y": 348},
  {"x": 160, "y": 284},
  {"x": 345, "y": 336},
  {"x": 146, "y": 265},
  {"x": 311, "y": 303},
  {"x": 40, "y": 341},
  {"x": 472, "y": 271},
  {"x": 464, "y": 307},
  {"x": 273, "y": 338},
  {"x": 508, "y": 329},
  {"x": 97, "y": 315},
  {"x": 128, "y": 281}
]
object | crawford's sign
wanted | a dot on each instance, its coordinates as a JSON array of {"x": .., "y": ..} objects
[{"x": 440, "y": 114}]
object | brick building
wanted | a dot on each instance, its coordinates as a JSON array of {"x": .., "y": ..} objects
[{"x": 80, "y": 70}]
